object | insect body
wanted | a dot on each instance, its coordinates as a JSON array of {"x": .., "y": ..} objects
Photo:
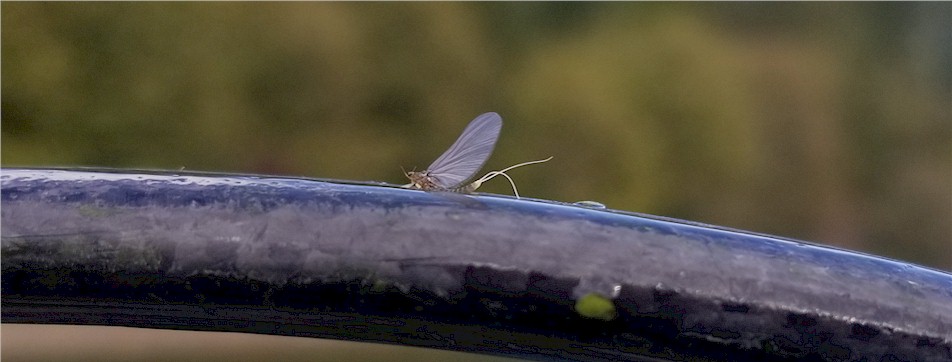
[{"x": 464, "y": 158}]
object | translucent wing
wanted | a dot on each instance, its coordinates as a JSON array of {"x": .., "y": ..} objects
[{"x": 469, "y": 153}]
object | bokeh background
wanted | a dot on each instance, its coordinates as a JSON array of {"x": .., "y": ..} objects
[
  {"x": 827, "y": 122},
  {"x": 824, "y": 122}
]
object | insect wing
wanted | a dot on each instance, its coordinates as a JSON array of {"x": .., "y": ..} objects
[{"x": 469, "y": 153}]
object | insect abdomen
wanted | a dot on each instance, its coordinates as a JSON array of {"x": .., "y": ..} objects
[{"x": 466, "y": 189}]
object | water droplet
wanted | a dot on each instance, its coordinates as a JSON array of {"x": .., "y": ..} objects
[{"x": 591, "y": 204}]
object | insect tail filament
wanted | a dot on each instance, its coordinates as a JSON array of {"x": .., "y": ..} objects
[{"x": 489, "y": 175}]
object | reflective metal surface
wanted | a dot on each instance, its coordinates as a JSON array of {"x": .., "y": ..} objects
[{"x": 478, "y": 273}]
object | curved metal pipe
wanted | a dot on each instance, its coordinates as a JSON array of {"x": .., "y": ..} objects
[{"x": 488, "y": 274}]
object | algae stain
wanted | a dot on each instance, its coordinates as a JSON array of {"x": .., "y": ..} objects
[
  {"x": 91, "y": 211},
  {"x": 596, "y": 306}
]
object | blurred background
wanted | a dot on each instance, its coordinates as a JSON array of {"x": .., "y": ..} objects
[
  {"x": 827, "y": 122},
  {"x": 824, "y": 122}
]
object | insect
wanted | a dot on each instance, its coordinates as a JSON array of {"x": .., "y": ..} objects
[{"x": 456, "y": 166}]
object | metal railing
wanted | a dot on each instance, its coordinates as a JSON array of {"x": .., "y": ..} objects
[{"x": 488, "y": 274}]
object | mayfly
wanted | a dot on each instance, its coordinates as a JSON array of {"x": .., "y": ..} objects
[{"x": 464, "y": 158}]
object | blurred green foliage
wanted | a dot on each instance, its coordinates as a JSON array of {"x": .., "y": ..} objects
[{"x": 827, "y": 122}]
